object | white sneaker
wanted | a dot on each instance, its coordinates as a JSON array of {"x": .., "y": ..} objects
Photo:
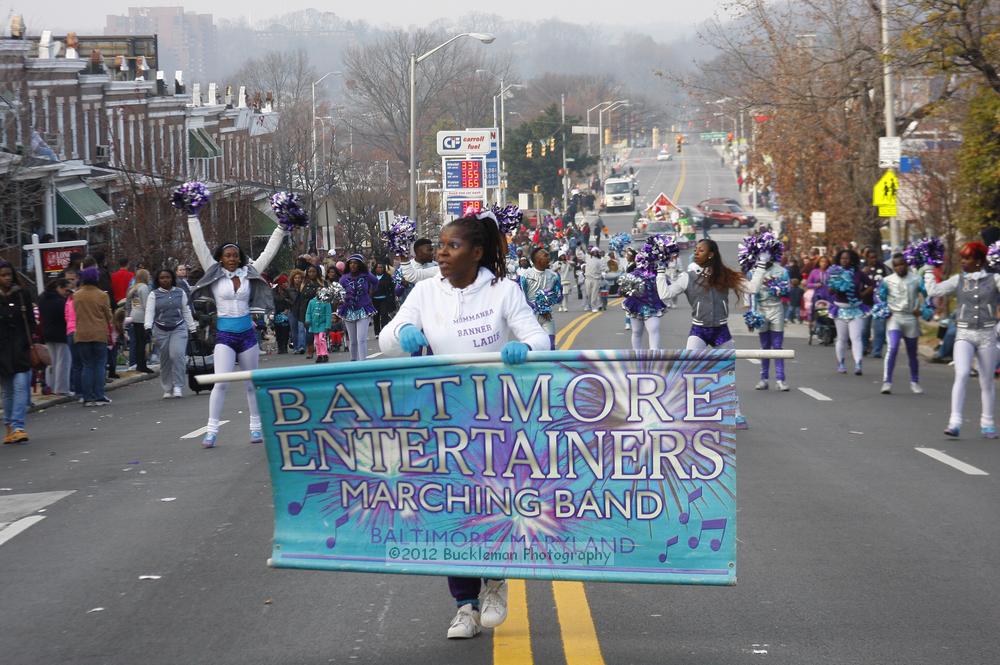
[
  {"x": 465, "y": 624},
  {"x": 761, "y": 385},
  {"x": 493, "y": 603},
  {"x": 886, "y": 388},
  {"x": 594, "y": 311},
  {"x": 782, "y": 386},
  {"x": 915, "y": 388},
  {"x": 628, "y": 326},
  {"x": 166, "y": 395},
  {"x": 178, "y": 392}
]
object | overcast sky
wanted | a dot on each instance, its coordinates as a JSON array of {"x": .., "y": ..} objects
[{"x": 88, "y": 15}]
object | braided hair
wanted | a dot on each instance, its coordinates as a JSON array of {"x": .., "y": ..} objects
[{"x": 486, "y": 234}]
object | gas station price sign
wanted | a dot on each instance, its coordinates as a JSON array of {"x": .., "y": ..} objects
[{"x": 463, "y": 174}]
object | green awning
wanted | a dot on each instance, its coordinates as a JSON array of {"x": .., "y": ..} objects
[
  {"x": 77, "y": 205},
  {"x": 201, "y": 145},
  {"x": 261, "y": 223}
]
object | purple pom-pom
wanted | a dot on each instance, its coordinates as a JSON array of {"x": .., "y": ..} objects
[
  {"x": 508, "y": 218},
  {"x": 400, "y": 236},
  {"x": 288, "y": 210},
  {"x": 993, "y": 257},
  {"x": 754, "y": 245},
  {"x": 925, "y": 251},
  {"x": 190, "y": 197}
]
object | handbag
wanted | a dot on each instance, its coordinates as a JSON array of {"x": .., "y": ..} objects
[{"x": 39, "y": 353}]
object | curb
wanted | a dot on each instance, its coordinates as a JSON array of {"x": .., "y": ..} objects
[{"x": 118, "y": 383}]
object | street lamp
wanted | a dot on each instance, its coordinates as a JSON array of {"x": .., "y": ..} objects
[
  {"x": 314, "y": 84},
  {"x": 483, "y": 37},
  {"x": 600, "y": 134},
  {"x": 502, "y": 94}
]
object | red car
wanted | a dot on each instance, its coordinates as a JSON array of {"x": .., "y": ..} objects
[{"x": 726, "y": 214}]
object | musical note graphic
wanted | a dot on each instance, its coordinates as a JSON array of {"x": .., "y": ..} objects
[
  {"x": 295, "y": 507},
  {"x": 671, "y": 541},
  {"x": 331, "y": 542},
  {"x": 710, "y": 525},
  {"x": 692, "y": 497}
]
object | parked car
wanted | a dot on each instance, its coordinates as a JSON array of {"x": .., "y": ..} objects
[
  {"x": 664, "y": 156},
  {"x": 732, "y": 202},
  {"x": 727, "y": 214}
]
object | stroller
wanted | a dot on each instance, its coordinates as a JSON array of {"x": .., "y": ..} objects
[
  {"x": 201, "y": 344},
  {"x": 821, "y": 324}
]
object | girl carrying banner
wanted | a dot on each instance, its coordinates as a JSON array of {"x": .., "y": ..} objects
[{"x": 471, "y": 308}]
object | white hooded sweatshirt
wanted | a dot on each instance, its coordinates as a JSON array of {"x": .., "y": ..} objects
[{"x": 479, "y": 318}]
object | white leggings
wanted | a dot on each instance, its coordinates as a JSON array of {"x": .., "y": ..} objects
[
  {"x": 225, "y": 361},
  {"x": 962, "y": 354},
  {"x": 650, "y": 326},
  {"x": 852, "y": 329},
  {"x": 698, "y": 344},
  {"x": 357, "y": 335}
]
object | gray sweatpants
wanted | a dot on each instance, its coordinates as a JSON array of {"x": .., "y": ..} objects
[
  {"x": 592, "y": 293},
  {"x": 171, "y": 345}
]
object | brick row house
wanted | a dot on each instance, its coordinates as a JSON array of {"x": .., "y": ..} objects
[{"x": 85, "y": 138}]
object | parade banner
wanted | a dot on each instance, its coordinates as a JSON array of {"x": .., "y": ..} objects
[{"x": 577, "y": 465}]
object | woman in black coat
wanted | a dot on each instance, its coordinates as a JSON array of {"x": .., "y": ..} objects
[
  {"x": 17, "y": 326},
  {"x": 384, "y": 297},
  {"x": 310, "y": 285},
  {"x": 52, "y": 310}
]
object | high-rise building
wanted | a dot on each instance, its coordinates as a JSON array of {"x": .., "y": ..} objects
[{"x": 186, "y": 40}]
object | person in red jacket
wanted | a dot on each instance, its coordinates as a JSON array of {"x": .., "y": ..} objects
[{"x": 120, "y": 280}]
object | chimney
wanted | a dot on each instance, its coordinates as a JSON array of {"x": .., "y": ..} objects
[
  {"x": 178, "y": 82},
  {"x": 17, "y": 27},
  {"x": 161, "y": 85},
  {"x": 96, "y": 62},
  {"x": 212, "y": 100},
  {"x": 71, "y": 46},
  {"x": 269, "y": 105},
  {"x": 241, "y": 98},
  {"x": 229, "y": 97},
  {"x": 141, "y": 68},
  {"x": 196, "y": 94},
  {"x": 45, "y": 45}
]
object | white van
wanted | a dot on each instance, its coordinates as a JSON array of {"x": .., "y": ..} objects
[{"x": 618, "y": 193}]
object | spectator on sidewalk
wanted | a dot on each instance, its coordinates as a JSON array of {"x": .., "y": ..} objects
[
  {"x": 168, "y": 319},
  {"x": 120, "y": 280},
  {"x": 135, "y": 310},
  {"x": 17, "y": 325},
  {"x": 93, "y": 321},
  {"x": 52, "y": 309}
]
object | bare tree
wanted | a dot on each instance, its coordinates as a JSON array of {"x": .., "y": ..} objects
[{"x": 286, "y": 74}]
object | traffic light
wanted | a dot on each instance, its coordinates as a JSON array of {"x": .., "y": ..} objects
[
  {"x": 529, "y": 149},
  {"x": 607, "y": 136},
  {"x": 552, "y": 144},
  {"x": 729, "y": 138},
  {"x": 541, "y": 150},
  {"x": 656, "y": 137}
]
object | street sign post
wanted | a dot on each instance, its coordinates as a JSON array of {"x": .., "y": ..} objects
[
  {"x": 884, "y": 194},
  {"x": 890, "y": 149},
  {"x": 385, "y": 218},
  {"x": 817, "y": 222},
  {"x": 584, "y": 129}
]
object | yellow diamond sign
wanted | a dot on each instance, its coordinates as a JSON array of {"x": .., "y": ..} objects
[{"x": 884, "y": 192}]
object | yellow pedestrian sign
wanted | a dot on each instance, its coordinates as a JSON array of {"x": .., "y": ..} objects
[{"x": 884, "y": 192}]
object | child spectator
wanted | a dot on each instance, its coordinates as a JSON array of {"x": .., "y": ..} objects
[
  {"x": 318, "y": 318},
  {"x": 794, "y": 304}
]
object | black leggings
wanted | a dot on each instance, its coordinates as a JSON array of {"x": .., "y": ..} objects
[{"x": 139, "y": 331}]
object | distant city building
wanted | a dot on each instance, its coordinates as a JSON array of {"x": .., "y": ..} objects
[{"x": 186, "y": 39}]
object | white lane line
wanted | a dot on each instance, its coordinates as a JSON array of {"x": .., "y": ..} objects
[
  {"x": 17, "y": 527},
  {"x": 945, "y": 458},
  {"x": 815, "y": 394},
  {"x": 201, "y": 430},
  {"x": 753, "y": 361},
  {"x": 374, "y": 355}
]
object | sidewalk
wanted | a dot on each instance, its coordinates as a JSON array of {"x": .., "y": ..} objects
[{"x": 40, "y": 402}]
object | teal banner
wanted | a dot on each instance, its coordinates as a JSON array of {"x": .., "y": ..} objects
[{"x": 577, "y": 465}]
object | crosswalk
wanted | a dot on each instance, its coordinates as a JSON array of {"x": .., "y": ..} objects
[{"x": 19, "y": 512}]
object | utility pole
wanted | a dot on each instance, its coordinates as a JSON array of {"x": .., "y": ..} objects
[
  {"x": 565, "y": 177},
  {"x": 890, "y": 108}
]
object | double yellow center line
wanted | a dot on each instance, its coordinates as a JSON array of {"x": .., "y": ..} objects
[{"x": 512, "y": 640}]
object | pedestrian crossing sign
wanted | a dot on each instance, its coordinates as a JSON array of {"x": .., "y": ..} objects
[
  {"x": 884, "y": 192},
  {"x": 887, "y": 211}
]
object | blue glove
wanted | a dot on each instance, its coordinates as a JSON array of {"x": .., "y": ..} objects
[
  {"x": 411, "y": 339},
  {"x": 514, "y": 353}
]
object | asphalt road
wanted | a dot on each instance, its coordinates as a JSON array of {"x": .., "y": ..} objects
[{"x": 854, "y": 547}]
